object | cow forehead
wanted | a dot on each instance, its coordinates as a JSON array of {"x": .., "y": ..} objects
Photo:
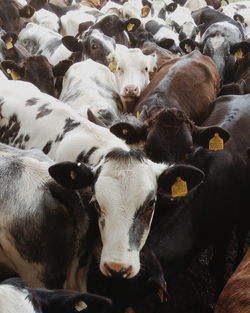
[
  {"x": 133, "y": 57},
  {"x": 127, "y": 185}
]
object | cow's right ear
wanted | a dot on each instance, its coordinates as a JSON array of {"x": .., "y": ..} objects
[
  {"x": 189, "y": 45},
  {"x": 9, "y": 39},
  {"x": 130, "y": 132},
  {"x": 13, "y": 70},
  {"x": 61, "y": 67},
  {"x": 72, "y": 175},
  {"x": 72, "y": 44},
  {"x": 27, "y": 11}
]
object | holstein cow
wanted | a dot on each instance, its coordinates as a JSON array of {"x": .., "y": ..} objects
[
  {"x": 15, "y": 297},
  {"x": 131, "y": 69},
  {"x": 189, "y": 83},
  {"x": 12, "y": 15},
  {"x": 241, "y": 71},
  {"x": 43, "y": 224},
  {"x": 188, "y": 225},
  {"x": 96, "y": 90},
  {"x": 234, "y": 298},
  {"x": 218, "y": 33},
  {"x": 123, "y": 181}
]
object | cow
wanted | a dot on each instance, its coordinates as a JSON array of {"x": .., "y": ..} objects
[
  {"x": 171, "y": 87},
  {"x": 12, "y": 15},
  {"x": 123, "y": 181},
  {"x": 43, "y": 223},
  {"x": 16, "y": 297},
  {"x": 186, "y": 227},
  {"x": 241, "y": 71},
  {"x": 235, "y": 295},
  {"x": 38, "y": 71},
  {"x": 131, "y": 69},
  {"x": 95, "y": 91}
]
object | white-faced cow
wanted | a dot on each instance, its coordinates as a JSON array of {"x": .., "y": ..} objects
[{"x": 124, "y": 181}]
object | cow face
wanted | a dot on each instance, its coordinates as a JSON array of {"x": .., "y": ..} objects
[
  {"x": 124, "y": 197},
  {"x": 94, "y": 45},
  {"x": 131, "y": 68},
  {"x": 11, "y": 16}
]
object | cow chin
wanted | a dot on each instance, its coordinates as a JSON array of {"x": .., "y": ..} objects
[{"x": 120, "y": 268}]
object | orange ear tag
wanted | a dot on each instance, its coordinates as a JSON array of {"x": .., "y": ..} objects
[
  {"x": 216, "y": 143},
  {"x": 179, "y": 188},
  {"x": 130, "y": 27}
]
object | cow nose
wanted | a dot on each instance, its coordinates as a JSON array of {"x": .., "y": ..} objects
[
  {"x": 131, "y": 90},
  {"x": 117, "y": 270}
]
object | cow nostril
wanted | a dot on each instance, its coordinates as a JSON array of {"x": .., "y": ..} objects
[{"x": 117, "y": 270}]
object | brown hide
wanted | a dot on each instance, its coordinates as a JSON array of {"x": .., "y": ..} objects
[{"x": 235, "y": 297}]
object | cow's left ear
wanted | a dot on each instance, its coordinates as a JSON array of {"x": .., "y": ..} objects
[
  {"x": 9, "y": 39},
  {"x": 72, "y": 44},
  {"x": 189, "y": 45},
  {"x": 72, "y": 175},
  {"x": 66, "y": 301},
  {"x": 240, "y": 49},
  {"x": 13, "y": 70},
  {"x": 27, "y": 11},
  {"x": 132, "y": 24},
  {"x": 171, "y": 7},
  {"x": 179, "y": 180},
  {"x": 212, "y": 137}
]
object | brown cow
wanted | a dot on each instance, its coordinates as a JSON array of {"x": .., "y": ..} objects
[
  {"x": 189, "y": 84},
  {"x": 241, "y": 73},
  {"x": 235, "y": 297},
  {"x": 12, "y": 16}
]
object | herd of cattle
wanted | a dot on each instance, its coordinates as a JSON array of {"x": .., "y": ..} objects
[{"x": 124, "y": 156}]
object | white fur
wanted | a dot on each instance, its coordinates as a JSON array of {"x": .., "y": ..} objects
[
  {"x": 47, "y": 19},
  {"x": 14, "y": 300}
]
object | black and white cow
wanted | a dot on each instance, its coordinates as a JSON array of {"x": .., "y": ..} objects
[
  {"x": 15, "y": 297},
  {"x": 43, "y": 225},
  {"x": 124, "y": 181}
]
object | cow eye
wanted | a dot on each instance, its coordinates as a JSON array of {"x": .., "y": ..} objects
[
  {"x": 146, "y": 68},
  {"x": 93, "y": 46},
  {"x": 151, "y": 203}
]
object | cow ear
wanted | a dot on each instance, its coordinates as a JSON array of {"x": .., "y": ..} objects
[
  {"x": 188, "y": 45},
  {"x": 61, "y": 68},
  {"x": 13, "y": 70},
  {"x": 212, "y": 137},
  {"x": 239, "y": 18},
  {"x": 27, "y": 11},
  {"x": 179, "y": 180},
  {"x": 72, "y": 44},
  {"x": 166, "y": 43},
  {"x": 130, "y": 132},
  {"x": 145, "y": 11},
  {"x": 171, "y": 7},
  {"x": 9, "y": 40},
  {"x": 72, "y": 175},
  {"x": 83, "y": 27},
  {"x": 132, "y": 24},
  {"x": 239, "y": 50},
  {"x": 94, "y": 119},
  {"x": 65, "y": 301}
]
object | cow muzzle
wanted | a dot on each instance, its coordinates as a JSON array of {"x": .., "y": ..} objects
[
  {"x": 131, "y": 91},
  {"x": 117, "y": 270}
]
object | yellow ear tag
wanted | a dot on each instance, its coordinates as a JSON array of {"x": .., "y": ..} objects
[
  {"x": 145, "y": 11},
  {"x": 130, "y": 27},
  {"x": 216, "y": 143},
  {"x": 80, "y": 306},
  {"x": 161, "y": 295},
  {"x": 239, "y": 54},
  {"x": 179, "y": 188},
  {"x": 14, "y": 75},
  {"x": 28, "y": 11},
  {"x": 137, "y": 114},
  {"x": 125, "y": 131},
  {"x": 112, "y": 67},
  {"x": 8, "y": 43}
]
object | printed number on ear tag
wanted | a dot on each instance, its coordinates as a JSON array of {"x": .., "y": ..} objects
[
  {"x": 80, "y": 306},
  {"x": 216, "y": 143},
  {"x": 179, "y": 188}
]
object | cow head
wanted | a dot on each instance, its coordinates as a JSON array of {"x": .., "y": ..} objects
[
  {"x": 131, "y": 68},
  {"x": 124, "y": 195},
  {"x": 169, "y": 135},
  {"x": 11, "y": 15},
  {"x": 43, "y": 300},
  {"x": 94, "y": 44}
]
